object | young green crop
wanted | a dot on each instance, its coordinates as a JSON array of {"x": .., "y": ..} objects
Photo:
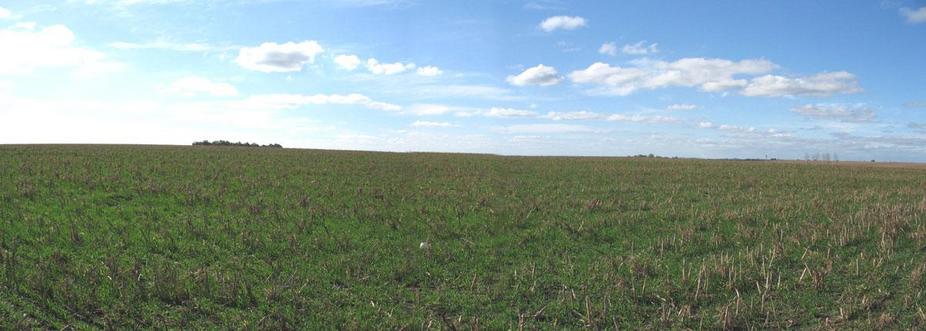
[{"x": 223, "y": 237}]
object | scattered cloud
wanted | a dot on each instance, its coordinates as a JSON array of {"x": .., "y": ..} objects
[
  {"x": 347, "y": 62},
  {"x": 562, "y": 22},
  {"x": 540, "y": 75},
  {"x": 914, "y": 16},
  {"x": 460, "y": 91},
  {"x": 273, "y": 57},
  {"x": 682, "y": 106},
  {"x": 429, "y": 71},
  {"x": 5, "y": 13},
  {"x": 291, "y": 101},
  {"x": 545, "y": 5},
  {"x": 429, "y": 109},
  {"x": 822, "y": 84},
  {"x": 917, "y": 126},
  {"x": 546, "y": 128},
  {"x": 574, "y": 115},
  {"x": 508, "y": 112},
  {"x": 914, "y": 104},
  {"x": 857, "y": 113},
  {"x": 710, "y": 75},
  {"x": 194, "y": 85},
  {"x": 637, "y": 118},
  {"x": 608, "y": 48},
  {"x": 25, "y": 50},
  {"x": 170, "y": 46},
  {"x": 705, "y": 125},
  {"x": 428, "y": 124},
  {"x": 377, "y": 68},
  {"x": 640, "y": 48}
]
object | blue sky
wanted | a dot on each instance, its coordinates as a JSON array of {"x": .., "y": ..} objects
[{"x": 677, "y": 78}]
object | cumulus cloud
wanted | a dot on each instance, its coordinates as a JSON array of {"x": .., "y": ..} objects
[
  {"x": 291, "y": 101},
  {"x": 273, "y": 57},
  {"x": 428, "y": 124},
  {"x": 508, "y": 112},
  {"x": 347, "y": 62},
  {"x": 705, "y": 125},
  {"x": 562, "y": 22},
  {"x": 429, "y": 71},
  {"x": 914, "y": 16},
  {"x": 640, "y": 48},
  {"x": 617, "y": 80},
  {"x": 194, "y": 85},
  {"x": 573, "y": 115},
  {"x": 857, "y": 113},
  {"x": 682, "y": 106},
  {"x": 608, "y": 48},
  {"x": 540, "y": 75},
  {"x": 710, "y": 75},
  {"x": 377, "y": 68},
  {"x": 25, "y": 50},
  {"x": 822, "y": 84}
]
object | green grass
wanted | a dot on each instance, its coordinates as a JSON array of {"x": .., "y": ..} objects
[{"x": 206, "y": 237}]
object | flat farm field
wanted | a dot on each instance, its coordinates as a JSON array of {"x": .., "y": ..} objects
[{"x": 231, "y": 237}]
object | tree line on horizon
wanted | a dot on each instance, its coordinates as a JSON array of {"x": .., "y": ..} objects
[{"x": 236, "y": 144}]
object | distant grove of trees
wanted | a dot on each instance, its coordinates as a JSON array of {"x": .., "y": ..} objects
[
  {"x": 229, "y": 143},
  {"x": 825, "y": 157}
]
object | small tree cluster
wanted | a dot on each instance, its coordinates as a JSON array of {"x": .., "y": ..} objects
[
  {"x": 825, "y": 157},
  {"x": 229, "y": 143}
]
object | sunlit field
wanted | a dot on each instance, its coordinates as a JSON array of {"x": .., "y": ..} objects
[{"x": 269, "y": 238}]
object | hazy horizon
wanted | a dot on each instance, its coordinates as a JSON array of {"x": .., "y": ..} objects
[{"x": 720, "y": 80}]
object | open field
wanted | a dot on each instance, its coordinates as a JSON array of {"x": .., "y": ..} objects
[{"x": 199, "y": 237}]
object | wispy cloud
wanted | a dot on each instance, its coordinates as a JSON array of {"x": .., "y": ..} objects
[{"x": 914, "y": 16}]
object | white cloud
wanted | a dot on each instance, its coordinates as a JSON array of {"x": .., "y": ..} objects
[
  {"x": 53, "y": 47},
  {"x": 429, "y": 71},
  {"x": 575, "y": 115},
  {"x": 546, "y": 128},
  {"x": 734, "y": 128},
  {"x": 617, "y": 80},
  {"x": 291, "y": 101},
  {"x": 608, "y": 48},
  {"x": 377, "y": 68},
  {"x": 427, "y": 124},
  {"x": 508, "y": 112},
  {"x": 705, "y": 125},
  {"x": 914, "y": 16},
  {"x": 347, "y": 62},
  {"x": 194, "y": 85},
  {"x": 857, "y": 113},
  {"x": 168, "y": 45},
  {"x": 428, "y": 109},
  {"x": 440, "y": 91},
  {"x": 822, "y": 84},
  {"x": 637, "y": 118},
  {"x": 640, "y": 48},
  {"x": 562, "y": 22},
  {"x": 5, "y": 13},
  {"x": 710, "y": 75},
  {"x": 682, "y": 106},
  {"x": 273, "y": 57},
  {"x": 540, "y": 75}
]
